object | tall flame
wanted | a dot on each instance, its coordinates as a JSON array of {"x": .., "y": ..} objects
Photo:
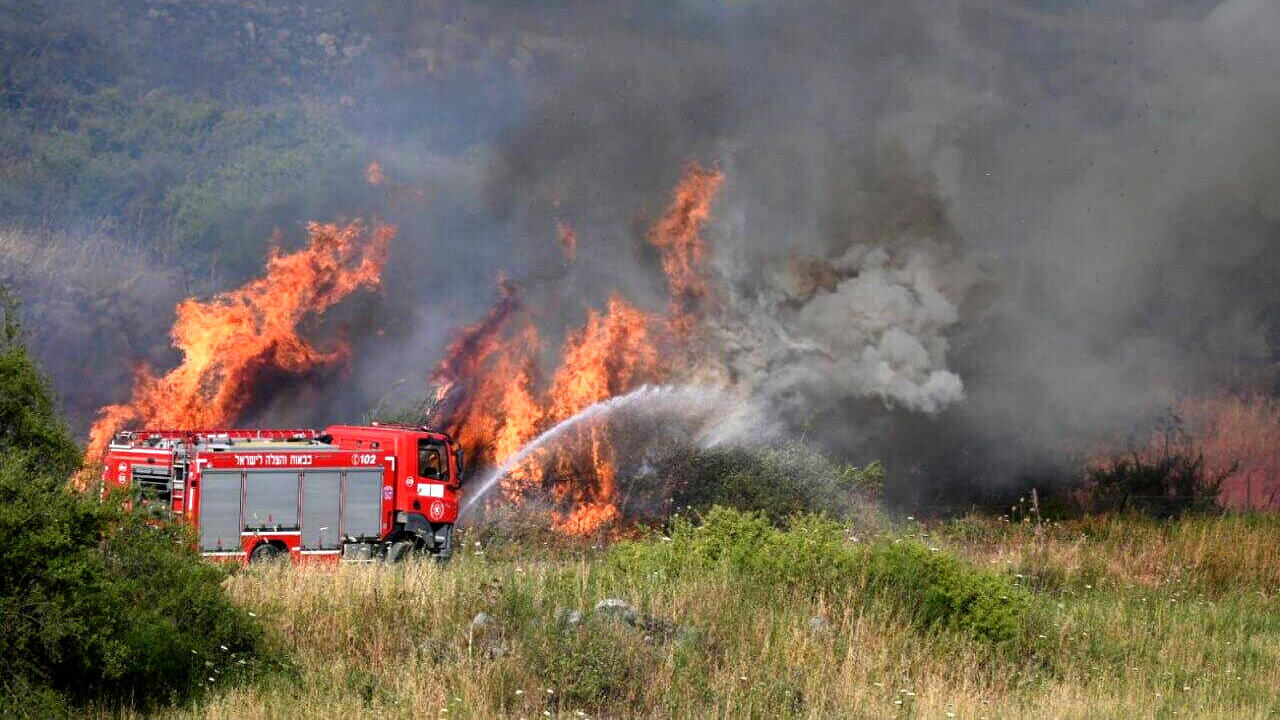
[
  {"x": 477, "y": 368},
  {"x": 522, "y": 413},
  {"x": 611, "y": 354},
  {"x": 678, "y": 238},
  {"x": 489, "y": 390},
  {"x": 228, "y": 341}
]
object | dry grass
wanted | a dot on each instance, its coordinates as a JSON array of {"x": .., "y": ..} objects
[
  {"x": 1213, "y": 554},
  {"x": 1148, "y": 620}
]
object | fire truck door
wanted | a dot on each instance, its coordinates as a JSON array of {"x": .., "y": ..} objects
[{"x": 220, "y": 511}]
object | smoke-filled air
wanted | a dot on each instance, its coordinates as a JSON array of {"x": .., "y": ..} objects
[{"x": 981, "y": 242}]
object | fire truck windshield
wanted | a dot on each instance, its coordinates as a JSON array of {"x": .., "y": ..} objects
[{"x": 431, "y": 463}]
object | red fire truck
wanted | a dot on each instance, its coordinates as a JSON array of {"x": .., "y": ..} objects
[{"x": 377, "y": 492}]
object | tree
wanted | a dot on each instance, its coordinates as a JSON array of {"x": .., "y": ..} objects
[
  {"x": 29, "y": 419},
  {"x": 97, "y": 604}
]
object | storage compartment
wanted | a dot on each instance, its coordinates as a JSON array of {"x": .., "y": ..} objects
[
  {"x": 220, "y": 510},
  {"x": 363, "y": 503},
  {"x": 154, "y": 481},
  {"x": 271, "y": 500},
  {"x": 321, "y": 508}
]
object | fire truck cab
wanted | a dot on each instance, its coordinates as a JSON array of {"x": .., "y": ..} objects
[{"x": 377, "y": 492}]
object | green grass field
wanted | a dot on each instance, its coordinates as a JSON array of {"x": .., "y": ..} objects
[{"x": 1114, "y": 617}]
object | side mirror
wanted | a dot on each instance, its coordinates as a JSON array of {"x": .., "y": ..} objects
[{"x": 457, "y": 457}]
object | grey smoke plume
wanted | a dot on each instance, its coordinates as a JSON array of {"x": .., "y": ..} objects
[{"x": 870, "y": 322}]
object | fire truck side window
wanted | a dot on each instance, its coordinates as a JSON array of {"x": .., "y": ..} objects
[{"x": 431, "y": 463}]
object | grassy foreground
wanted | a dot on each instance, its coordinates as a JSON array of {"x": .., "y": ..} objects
[{"x": 1118, "y": 617}]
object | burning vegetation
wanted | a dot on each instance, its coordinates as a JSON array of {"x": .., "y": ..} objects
[
  {"x": 229, "y": 341},
  {"x": 1206, "y": 452},
  {"x": 494, "y": 398}
]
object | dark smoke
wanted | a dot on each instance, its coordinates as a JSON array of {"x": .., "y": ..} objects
[
  {"x": 1091, "y": 191},
  {"x": 968, "y": 237}
]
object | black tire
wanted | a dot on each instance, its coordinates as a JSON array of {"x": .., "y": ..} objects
[
  {"x": 400, "y": 551},
  {"x": 266, "y": 553}
]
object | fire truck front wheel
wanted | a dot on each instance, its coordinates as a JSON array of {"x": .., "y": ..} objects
[{"x": 266, "y": 553}]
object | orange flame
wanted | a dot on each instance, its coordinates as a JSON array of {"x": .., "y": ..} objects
[
  {"x": 610, "y": 355},
  {"x": 568, "y": 242},
  {"x": 396, "y": 192},
  {"x": 491, "y": 399},
  {"x": 678, "y": 237},
  {"x": 472, "y": 378},
  {"x": 487, "y": 385},
  {"x": 492, "y": 404},
  {"x": 522, "y": 414},
  {"x": 229, "y": 341}
]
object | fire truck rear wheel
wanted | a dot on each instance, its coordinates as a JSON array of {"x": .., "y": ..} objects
[
  {"x": 266, "y": 553},
  {"x": 400, "y": 550}
]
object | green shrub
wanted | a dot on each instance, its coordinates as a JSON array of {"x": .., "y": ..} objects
[
  {"x": 96, "y": 604},
  {"x": 29, "y": 420},
  {"x": 779, "y": 481},
  {"x": 812, "y": 555},
  {"x": 867, "y": 480},
  {"x": 940, "y": 591},
  {"x": 99, "y": 606}
]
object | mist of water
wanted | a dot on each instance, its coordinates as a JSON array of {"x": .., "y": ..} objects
[{"x": 686, "y": 402}]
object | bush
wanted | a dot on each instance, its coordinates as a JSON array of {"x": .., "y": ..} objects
[
  {"x": 942, "y": 592},
  {"x": 778, "y": 481},
  {"x": 1171, "y": 483},
  {"x": 810, "y": 556},
  {"x": 867, "y": 481},
  {"x": 96, "y": 604},
  {"x": 29, "y": 420},
  {"x": 936, "y": 589},
  {"x": 99, "y": 606}
]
